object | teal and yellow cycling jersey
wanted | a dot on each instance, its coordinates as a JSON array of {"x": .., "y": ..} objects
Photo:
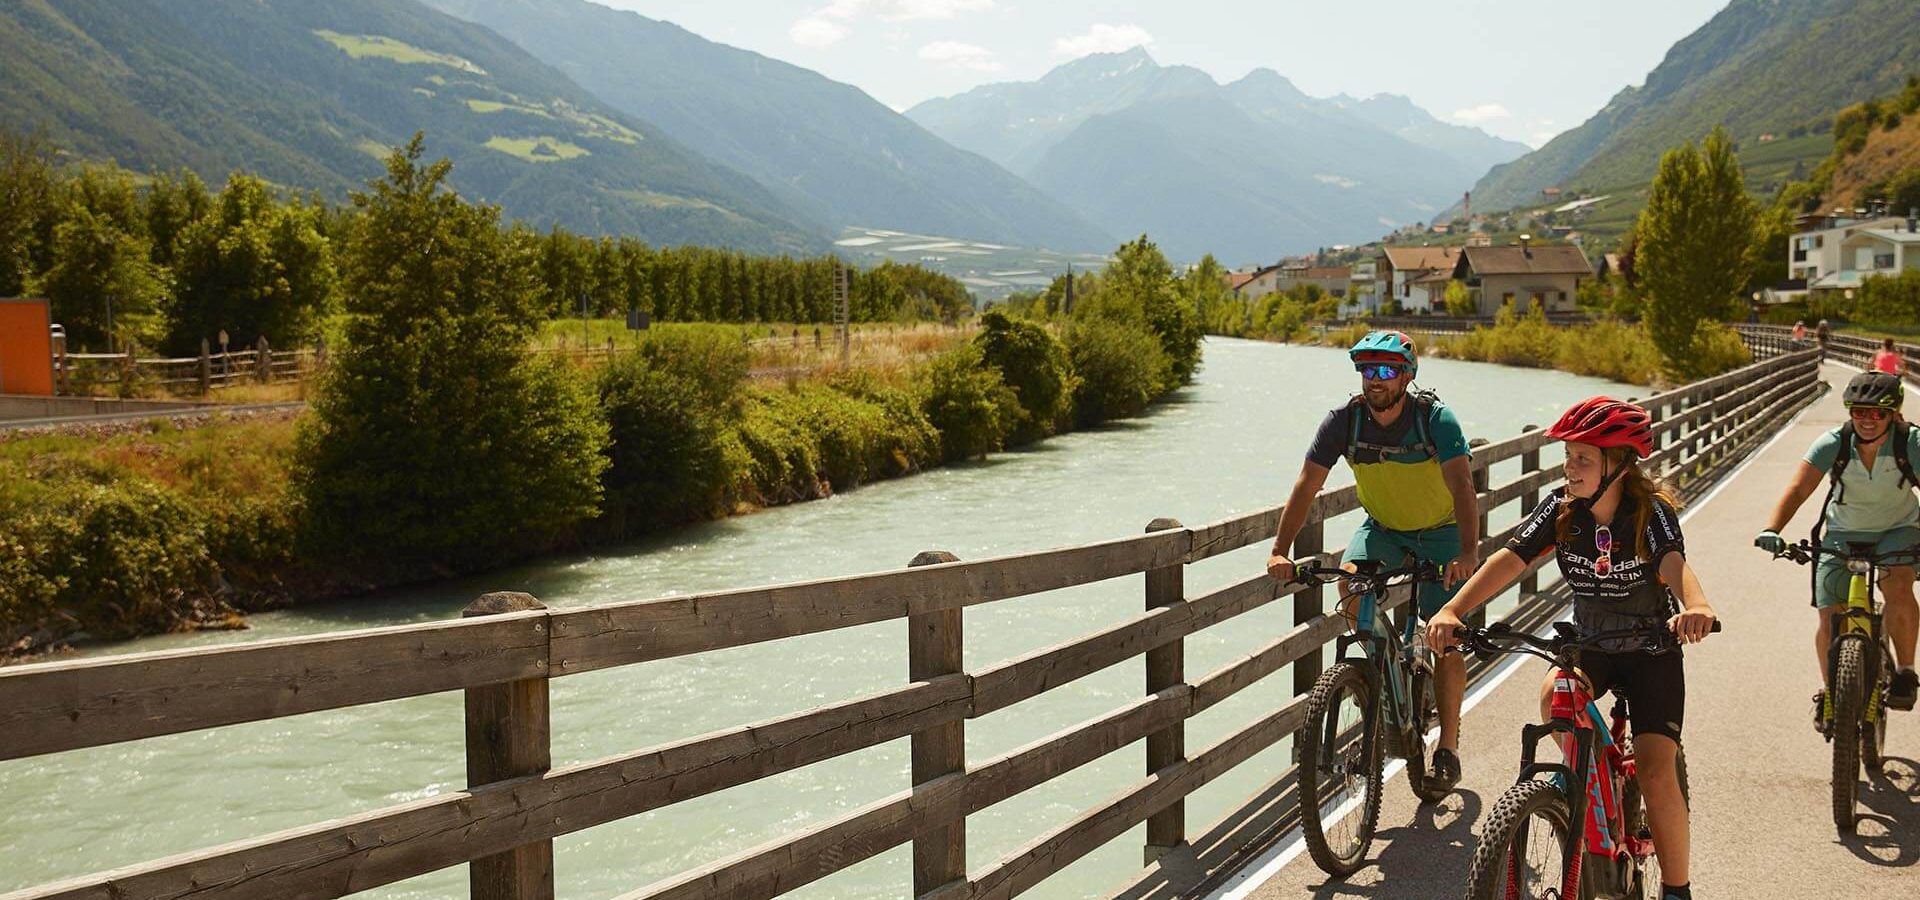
[{"x": 1396, "y": 468}]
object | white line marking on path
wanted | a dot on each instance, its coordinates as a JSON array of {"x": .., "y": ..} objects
[{"x": 1268, "y": 864}]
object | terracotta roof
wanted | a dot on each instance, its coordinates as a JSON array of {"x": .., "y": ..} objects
[
  {"x": 1436, "y": 276},
  {"x": 1422, "y": 257},
  {"x": 1557, "y": 259},
  {"x": 1238, "y": 280}
]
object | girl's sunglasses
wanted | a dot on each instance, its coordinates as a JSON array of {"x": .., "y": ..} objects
[
  {"x": 1872, "y": 413},
  {"x": 1603, "y": 542},
  {"x": 1379, "y": 371}
]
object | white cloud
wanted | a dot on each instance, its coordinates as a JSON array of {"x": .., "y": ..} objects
[
  {"x": 1103, "y": 38},
  {"x": 904, "y": 10},
  {"x": 1482, "y": 113},
  {"x": 961, "y": 56},
  {"x": 816, "y": 32}
]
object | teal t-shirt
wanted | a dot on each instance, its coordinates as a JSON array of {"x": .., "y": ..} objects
[{"x": 1871, "y": 500}]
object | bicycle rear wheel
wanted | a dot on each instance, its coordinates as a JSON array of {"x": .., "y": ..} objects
[
  {"x": 1522, "y": 851},
  {"x": 1340, "y": 764},
  {"x": 1425, "y": 713},
  {"x": 1849, "y": 691}
]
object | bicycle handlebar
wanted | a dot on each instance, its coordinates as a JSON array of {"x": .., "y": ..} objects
[
  {"x": 1369, "y": 582},
  {"x": 1805, "y": 551},
  {"x": 1502, "y": 638}
]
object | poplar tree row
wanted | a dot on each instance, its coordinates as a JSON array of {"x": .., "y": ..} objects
[{"x": 171, "y": 262}]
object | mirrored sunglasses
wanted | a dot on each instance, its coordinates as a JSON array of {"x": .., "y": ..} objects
[
  {"x": 1871, "y": 413},
  {"x": 1379, "y": 371}
]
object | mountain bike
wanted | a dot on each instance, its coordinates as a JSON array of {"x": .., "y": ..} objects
[
  {"x": 1530, "y": 847},
  {"x": 1339, "y": 749},
  {"x": 1853, "y": 709}
]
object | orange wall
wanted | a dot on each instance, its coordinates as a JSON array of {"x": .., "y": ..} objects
[{"x": 26, "y": 348}]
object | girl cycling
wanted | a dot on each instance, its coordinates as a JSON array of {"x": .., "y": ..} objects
[{"x": 1616, "y": 536}]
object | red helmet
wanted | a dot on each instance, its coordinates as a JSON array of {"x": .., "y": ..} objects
[{"x": 1606, "y": 422}]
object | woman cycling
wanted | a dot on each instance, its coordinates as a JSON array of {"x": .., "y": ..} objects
[{"x": 1616, "y": 583}]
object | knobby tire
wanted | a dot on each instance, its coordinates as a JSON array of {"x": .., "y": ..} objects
[
  {"x": 1521, "y": 810},
  {"x": 1354, "y": 684}
]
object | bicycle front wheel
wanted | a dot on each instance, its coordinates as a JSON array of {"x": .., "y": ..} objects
[
  {"x": 1849, "y": 691},
  {"x": 1340, "y": 769},
  {"x": 1522, "y": 851}
]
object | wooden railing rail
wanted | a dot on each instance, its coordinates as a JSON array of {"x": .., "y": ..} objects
[{"x": 509, "y": 647}]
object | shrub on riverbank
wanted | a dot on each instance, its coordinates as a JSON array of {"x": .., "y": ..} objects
[
  {"x": 1035, "y": 365},
  {"x": 670, "y": 409},
  {"x": 1121, "y": 370},
  {"x": 1604, "y": 348}
]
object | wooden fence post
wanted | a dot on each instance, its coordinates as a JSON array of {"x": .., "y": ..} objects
[
  {"x": 263, "y": 361},
  {"x": 1478, "y": 618},
  {"x": 1166, "y": 667},
  {"x": 1309, "y": 602},
  {"x": 508, "y": 732},
  {"x": 1529, "y": 464},
  {"x": 206, "y": 368},
  {"x": 933, "y": 649}
]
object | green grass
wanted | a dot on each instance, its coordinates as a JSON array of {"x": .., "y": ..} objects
[
  {"x": 373, "y": 148},
  {"x": 529, "y": 148},
  {"x": 494, "y": 106},
  {"x": 362, "y": 46}
]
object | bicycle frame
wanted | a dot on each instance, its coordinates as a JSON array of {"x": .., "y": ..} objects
[
  {"x": 1592, "y": 792},
  {"x": 1386, "y": 651}
]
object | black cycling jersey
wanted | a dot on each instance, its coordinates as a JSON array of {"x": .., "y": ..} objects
[{"x": 1632, "y": 590}]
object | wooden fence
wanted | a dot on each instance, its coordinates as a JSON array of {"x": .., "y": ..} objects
[
  {"x": 84, "y": 373},
  {"x": 504, "y": 653}
]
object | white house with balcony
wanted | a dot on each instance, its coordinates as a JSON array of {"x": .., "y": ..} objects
[{"x": 1833, "y": 253}]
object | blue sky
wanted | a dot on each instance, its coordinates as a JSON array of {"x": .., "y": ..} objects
[{"x": 1521, "y": 69}]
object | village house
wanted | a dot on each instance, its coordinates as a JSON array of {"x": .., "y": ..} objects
[
  {"x": 1415, "y": 276},
  {"x": 1524, "y": 275},
  {"x": 1834, "y": 251}
]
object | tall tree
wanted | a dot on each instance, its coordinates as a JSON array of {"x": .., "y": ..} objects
[
  {"x": 27, "y": 201},
  {"x": 436, "y": 443},
  {"x": 252, "y": 267},
  {"x": 1694, "y": 244}
]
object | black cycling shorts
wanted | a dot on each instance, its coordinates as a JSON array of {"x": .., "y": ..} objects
[{"x": 1655, "y": 685}]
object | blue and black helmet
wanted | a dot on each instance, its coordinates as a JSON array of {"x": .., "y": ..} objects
[{"x": 1388, "y": 347}]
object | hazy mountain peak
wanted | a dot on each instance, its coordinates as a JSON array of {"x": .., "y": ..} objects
[
  {"x": 1268, "y": 80},
  {"x": 1102, "y": 65}
]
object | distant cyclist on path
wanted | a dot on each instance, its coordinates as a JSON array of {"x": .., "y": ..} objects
[{"x": 1410, "y": 465}]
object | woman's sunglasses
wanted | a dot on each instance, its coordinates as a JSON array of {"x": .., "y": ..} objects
[
  {"x": 1603, "y": 542},
  {"x": 1379, "y": 371},
  {"x": 1872, "y": 413}
]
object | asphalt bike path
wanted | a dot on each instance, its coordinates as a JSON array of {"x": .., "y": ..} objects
[{"x": 1758, "y": 770}]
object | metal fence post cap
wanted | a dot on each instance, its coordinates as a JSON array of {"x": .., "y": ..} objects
[
  {"x": 932, "y": 558},
  {"x": 497, "y": 602}
]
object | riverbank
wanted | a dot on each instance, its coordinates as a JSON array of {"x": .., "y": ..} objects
[{"x": 118, "y": 531}]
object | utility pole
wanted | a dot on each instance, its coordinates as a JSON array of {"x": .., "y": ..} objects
[
  {"x": 586, "y": 338},
  {"x": 842, "y": 283}
]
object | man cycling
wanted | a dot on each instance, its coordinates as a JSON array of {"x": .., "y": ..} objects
[
  {"x": 1615, "y": 535},
  {"x": 1870, "y": 500},
  {"x": 1410, "y": 465}
]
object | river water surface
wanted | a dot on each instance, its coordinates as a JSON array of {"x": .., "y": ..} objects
[{"x": 1230, "y": 443}]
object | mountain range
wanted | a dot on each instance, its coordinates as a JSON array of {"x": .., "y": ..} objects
[
  {"x": 823, "y": 147},
  {"x": 1757, "y": 67},
  {"x": 313, "y": 95},
  {"x": 1243, "y": 170}
]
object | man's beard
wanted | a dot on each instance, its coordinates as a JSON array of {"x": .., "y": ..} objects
[{"x": 1385, "y": 400}]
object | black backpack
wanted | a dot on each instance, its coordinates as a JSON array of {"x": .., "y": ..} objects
[
  {"x": 1837, "y": 494},
  {"x": 1420, "y": 406}
]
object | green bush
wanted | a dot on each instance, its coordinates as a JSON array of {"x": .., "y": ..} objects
[
  {"x": 1034, "y": 363},
  {"x": 82, "y": 550},
  {"x": 1717, "y": 348},
  {"x": 1889, "y": 301},
  {"x": 968, "y": 402},
  {"x": 669, "y": 409},
  {"x": 1604, "y": 348},
  {"x": 1121, "y": 370}
]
